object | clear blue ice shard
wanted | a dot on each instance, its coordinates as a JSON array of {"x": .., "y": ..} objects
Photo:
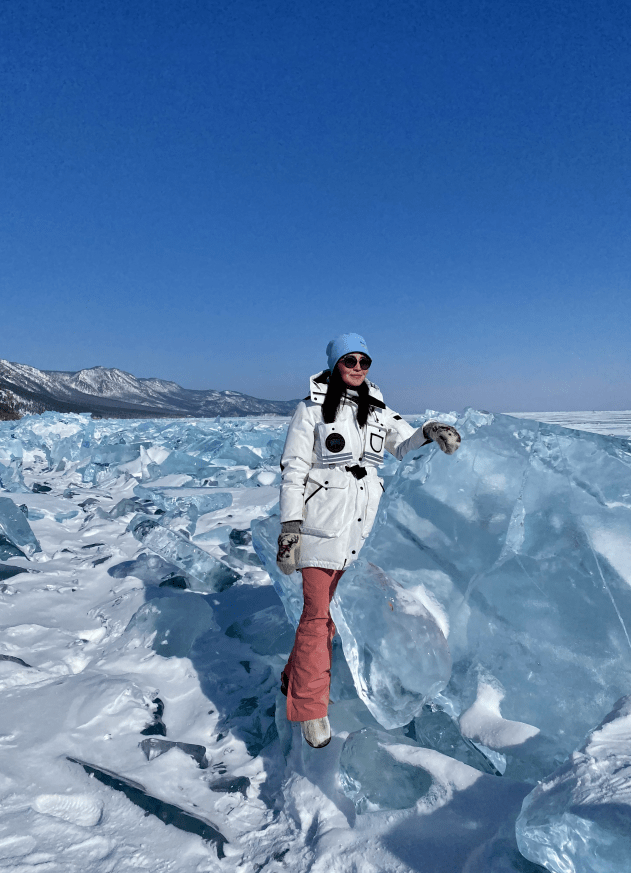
[
  {"x": 181, "y": 462},
  {"x": 11, "y": 478},
  {"x": 153, "y": 570},
  {"x": 209, "y": 573},
  {"x": 395, "y": 649},
  {"x": 435, "y": 729},
  {"x": 373, "y": 779},
  {"x": 522, "y": 539},
  {"x": 177, "y": 500},
  {"x": 171, "y": 623},
  {"x": 15, "y": 528},
  {"x": 578, "y": 820}
]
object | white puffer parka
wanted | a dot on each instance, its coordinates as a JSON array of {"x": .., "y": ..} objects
[{"x": 337, "y": 509}]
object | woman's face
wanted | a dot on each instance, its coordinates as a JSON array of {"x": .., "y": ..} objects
[{"x": 352, "y": 376}]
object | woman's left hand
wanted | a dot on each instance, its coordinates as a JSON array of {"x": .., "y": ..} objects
[{"x": 446, "y": 436}]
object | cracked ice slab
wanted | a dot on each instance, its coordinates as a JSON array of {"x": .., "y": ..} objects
[
  {"x": 197, "y": 500},
  {"x": 16, "y": 529},
  {"x": 210, "y": 573},
  {"x": 396, "y": 650},
  {"x": 522, "y": 541},
  {"x": 579, "y": 818}
]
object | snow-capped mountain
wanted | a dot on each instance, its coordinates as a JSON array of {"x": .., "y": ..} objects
[{"x": 114, "y": 393}]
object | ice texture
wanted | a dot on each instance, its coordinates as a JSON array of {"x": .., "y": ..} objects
[
  {"x": 267, "y": 631},
  {"x": 578, "y": 820},
  {"x": 373, "y": 779},
  {"x": 182, "y": 500},
  {"x": 125, "y": 506},
  {"x": 147, "y": 449},
  {"x": 171, "y": 623},
  {"x": 151, "y": 569},
  {"x": 168, "y": 813},
  {"x": 11, "y": 478},
  {"x": 15, "y": 530},
  {"x": 436, "y": 729},
  {"x": 209, "y": 573},
  {"x": 522, "y": 540},
  {"x": 231, "y": 478},
  {"x": 396, "y": 651}
]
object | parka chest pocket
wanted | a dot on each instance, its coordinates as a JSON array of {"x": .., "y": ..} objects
[
  {"x": 333, "y": 443},
  {"x": 327, "y": 503},
  {"x": 374, "y": 444}
]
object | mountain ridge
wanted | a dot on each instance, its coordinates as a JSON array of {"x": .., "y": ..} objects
[{"x": 112, "y": 393}]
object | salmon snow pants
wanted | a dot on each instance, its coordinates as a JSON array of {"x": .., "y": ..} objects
[{"x": 308, "y": 670}]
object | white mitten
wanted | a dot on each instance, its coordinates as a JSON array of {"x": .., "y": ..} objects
[
  {"x": 288, "y": 547},
  {"x": 445, "y": 435}
]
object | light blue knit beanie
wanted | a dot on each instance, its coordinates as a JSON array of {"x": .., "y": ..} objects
[{"x": 342, "y": 345}]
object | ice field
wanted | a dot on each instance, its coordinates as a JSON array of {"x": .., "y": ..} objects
[{"x": 480, "y": 707}]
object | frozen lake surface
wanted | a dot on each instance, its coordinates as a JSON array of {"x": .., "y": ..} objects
[
  {"x": 614, "y": 423},
  {"x": 142, "y": 637}
]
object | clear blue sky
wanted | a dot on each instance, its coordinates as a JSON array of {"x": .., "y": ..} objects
[{"x": 209, "y": 191}]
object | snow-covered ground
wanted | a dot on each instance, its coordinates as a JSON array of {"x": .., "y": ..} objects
[{"x": 105, "y": 658}]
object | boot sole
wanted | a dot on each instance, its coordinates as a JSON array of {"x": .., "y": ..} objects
[{"x": 321, "y": 746}]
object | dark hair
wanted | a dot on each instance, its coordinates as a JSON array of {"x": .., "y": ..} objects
[{"x": 334, "y": 393}]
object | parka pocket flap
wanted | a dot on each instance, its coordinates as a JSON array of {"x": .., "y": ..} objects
[{"x": 335, "y": 478}]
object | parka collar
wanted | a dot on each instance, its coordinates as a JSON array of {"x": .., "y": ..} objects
[{"x": 318, "y": 385}]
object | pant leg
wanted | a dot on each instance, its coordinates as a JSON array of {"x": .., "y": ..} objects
[
  {"x": 308, "y": 669},
  {"x": 334, "y": 576},
  {"x": 330, "y": 624}
]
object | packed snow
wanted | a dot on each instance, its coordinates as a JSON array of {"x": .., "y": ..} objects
[{"x": 483, "y": 656}]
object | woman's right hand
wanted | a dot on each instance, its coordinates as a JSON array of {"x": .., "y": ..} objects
[
  {"x": 288, "y": 547},
  {"x": 445, "y": 436}
]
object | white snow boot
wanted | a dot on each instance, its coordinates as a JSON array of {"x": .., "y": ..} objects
[{"x": 317, "y": 732}]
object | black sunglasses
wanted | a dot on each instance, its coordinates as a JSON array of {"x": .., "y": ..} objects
[{"x": 350, "y": 361}]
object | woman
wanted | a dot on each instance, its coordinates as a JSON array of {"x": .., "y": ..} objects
[{"x": 329, "y": 497}]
